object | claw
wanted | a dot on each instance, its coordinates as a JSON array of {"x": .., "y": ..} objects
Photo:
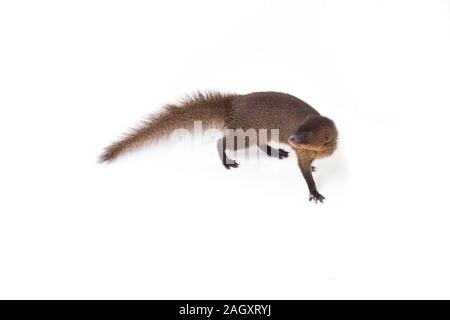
[{"x": 316, "y": 197}]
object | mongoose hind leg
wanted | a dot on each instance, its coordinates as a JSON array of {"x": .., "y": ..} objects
[
  {"x": 227, "y": 162},
  {"x": 273, "y": 152}
]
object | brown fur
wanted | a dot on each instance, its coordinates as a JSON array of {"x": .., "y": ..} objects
[
  {"x": 211, "y": 107},
  {"x": 300, "y": 125}
]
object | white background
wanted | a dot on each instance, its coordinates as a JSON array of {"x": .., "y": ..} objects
[{"x": 169, "y": 221}]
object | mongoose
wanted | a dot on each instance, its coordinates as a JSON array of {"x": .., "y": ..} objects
[{"x": 299, "y": 125}]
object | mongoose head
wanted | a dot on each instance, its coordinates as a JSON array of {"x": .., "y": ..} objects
[{"x": 315, "y": 133}]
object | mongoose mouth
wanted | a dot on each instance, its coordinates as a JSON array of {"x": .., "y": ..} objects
[
  {"x": 294, "y": 145},
  {"x": 304, "y": 146}
]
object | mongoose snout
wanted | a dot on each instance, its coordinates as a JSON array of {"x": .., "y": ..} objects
[{"x": 299, "y": 139}]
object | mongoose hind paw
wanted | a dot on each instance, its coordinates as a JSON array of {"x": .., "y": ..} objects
[
  {"x": 282, "y": 153},
  {"x": 316, "y": 196},
  {"x": 231, "y": 164}
]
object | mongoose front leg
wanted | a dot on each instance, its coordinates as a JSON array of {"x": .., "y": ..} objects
[
  {"x": 273, "y": 152},
  {"x": 227, "y": 162},
  {"x": 305, "y": 159}
]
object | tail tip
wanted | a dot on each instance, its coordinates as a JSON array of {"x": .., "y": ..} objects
[{"x": 107, "y": 156}]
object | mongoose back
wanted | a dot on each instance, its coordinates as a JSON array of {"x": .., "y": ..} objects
[{"x": 299, "y": 125}]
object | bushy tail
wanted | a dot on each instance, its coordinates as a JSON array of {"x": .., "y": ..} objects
[{"x": 210, "y": 108}]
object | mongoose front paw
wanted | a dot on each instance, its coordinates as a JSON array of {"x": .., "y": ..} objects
[
  {"x": 282, "y": 153},
  {"x": 231, "y": 164},
  {"x": 316, "y": 196},
  {"x": 313, "y": 169}
]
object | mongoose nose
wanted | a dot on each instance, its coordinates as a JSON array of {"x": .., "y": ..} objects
[{"x": 291, "y": 137}]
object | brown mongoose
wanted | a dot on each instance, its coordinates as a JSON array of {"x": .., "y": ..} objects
[{"x": 311, "y": 135}]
